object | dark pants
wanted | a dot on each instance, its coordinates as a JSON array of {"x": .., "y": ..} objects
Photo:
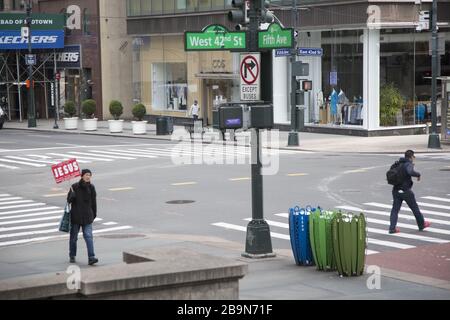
[
  {"x": 410, "y": 199},
  {"x": 87, "y": 235},
  {"x": 195, "y": 117}
]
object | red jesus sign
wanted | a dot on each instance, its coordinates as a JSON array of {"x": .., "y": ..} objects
[{"x": 66, "y": 170}]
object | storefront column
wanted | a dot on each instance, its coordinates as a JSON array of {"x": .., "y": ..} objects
[
  {"x": 371, "y": 79},
  {"x": 281, "y": 100}
]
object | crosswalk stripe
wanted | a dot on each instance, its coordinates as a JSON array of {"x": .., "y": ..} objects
[
  {"x": 102, "y": 155},
  {"x": 388, "y": 214},
  {"x": 8, "y": 167},
  {"x": 69, "y": 156},
  {"x": 29, "y": 220},
  {"x": 5, "y": 195},
  {"x": 240, "y": 228},
  {"x": 111, "y": 223},
  {"x": 23, "y": 241},
  {"x": 127, "y": 153},
  {"x": 37, "y": 214},
  {"x": 369, "y": 252},
  {"x": 437, "y": 199},
  {"x": 23, "y": 206},
  {"x": 154, "y": 153},
  {"x": 273, "y": 223},
  {"x": 33, "y": 226},
  {"x": 381, "y": 205},
  {"x": 10, "y": 198},
  {"x": 431, "y": 205},
  {"x": 389, "y": 244},
  {"x": 28, "y": 210},
  {"x": 15, "y": 202},
  {"x": 408, "y": 226},
  {"x": 407, "y": 236},
  {"x": 32, "y": 160},
  {"x": 36, "y": 165}
]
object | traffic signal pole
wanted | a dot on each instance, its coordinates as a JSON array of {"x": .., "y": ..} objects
[
  {"x": 293, "y": 135},
  {"x": 31, "y": 105}
]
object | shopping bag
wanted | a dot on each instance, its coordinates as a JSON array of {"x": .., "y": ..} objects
[{"x": 64, "y": 225}]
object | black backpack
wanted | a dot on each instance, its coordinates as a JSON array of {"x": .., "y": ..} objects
[{"x": 395, "y": 175}]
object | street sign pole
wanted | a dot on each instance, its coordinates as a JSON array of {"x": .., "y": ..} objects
[
  {"x": 31, "y": 105},
  {"x": 433, "y": 138},
  {"x": 293, "y": 139},
  {"x": 56, "y": 93}
]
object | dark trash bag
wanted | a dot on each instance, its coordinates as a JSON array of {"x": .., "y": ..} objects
[{"x": 64, "y": 225}]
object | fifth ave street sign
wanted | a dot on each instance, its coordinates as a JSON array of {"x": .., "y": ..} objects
[{"x": 250, "y": 75}]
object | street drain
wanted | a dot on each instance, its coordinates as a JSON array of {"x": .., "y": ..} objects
[
  {"x": 123, "y": 236},
  {"x": 180, "y": 201}
]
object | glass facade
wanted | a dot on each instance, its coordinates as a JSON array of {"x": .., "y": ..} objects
[{"x": 157, "y": 7}]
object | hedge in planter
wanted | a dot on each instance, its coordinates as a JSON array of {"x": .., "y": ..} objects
[
  {"x": 139, "y": 111},
  {"x": 89, "y": 107},
  {"x": 116, "y": 109},
  {"x": 391, "y": 102},
  {"x": 69, "y": 109}
]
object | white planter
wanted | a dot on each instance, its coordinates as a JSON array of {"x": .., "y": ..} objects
[
  {"x": 90, "y": 124},
  {"x": 115, "y": 126},
  {"x": 71, "y": 123},
  {"x": 139, "y": 127}
]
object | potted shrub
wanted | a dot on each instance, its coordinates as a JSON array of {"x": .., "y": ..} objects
[
  {"x": 116, "y": 110},
  {"x": 140, "y": 126},
  {"x": 88, "y": 108},
  {"x": 391, "y": 103},
  {"x": 71, "y": 122}
]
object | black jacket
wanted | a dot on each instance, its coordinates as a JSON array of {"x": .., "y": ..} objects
[
  {"x": 84, "y": 203},
  {"x": 408, "y": 172}
]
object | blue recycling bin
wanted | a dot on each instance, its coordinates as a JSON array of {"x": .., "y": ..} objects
[{"x": 299, "y": 235}]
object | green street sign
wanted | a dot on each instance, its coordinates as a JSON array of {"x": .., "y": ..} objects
[
  {"x": 276, "y": 37},
  {"x": 215, "y": 37}
]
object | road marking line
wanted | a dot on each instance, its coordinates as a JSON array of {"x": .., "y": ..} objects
[
  {"x": 54, "y": 195},
  {"x": 24, "y": 163},
  {"x": 29, "y": 220},
  {"x": 136, "y": 154},
  {"x": 9, "y": 243},
  {"x": 389, "y": 244},
  {"x": 408, "y": 226},
  {"x": 273, "y": 223},
  {"x": 70, "y": 156},
  {"x": 240, "y": 228},
  {"x": 101, "y": 155},
  {"x": 10, "y": 198},
  {"x": 121, "y": 189},
  {"x": 5, "y": 195},
  {"x": 23, "y": 206},
  {"x": 240, "y": 179},
  {"x": 369, "y": 252},
  {"x": 431, "y": 205},
  {"x": 184, "y": 183},
  {"x": 437, "y": 199},
  {"x": 32, "y": 160},
  {"x": 297, "y": 174},
  {"x": 8, "y": 167},
  {"x": 408, "y": 236},
  {"x": 112, "y": 223},
  {"x": 29, "y": 210},
  {"x": 32, "y": 214},
  {"x": 388, "y": 214},
  {"x": 15, "y": 202},
  {"x": 381, "y": 205},
  {"x": 35, "y": 226}
]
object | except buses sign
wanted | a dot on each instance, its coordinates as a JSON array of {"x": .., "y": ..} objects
[{"x": 214, "y": 37}]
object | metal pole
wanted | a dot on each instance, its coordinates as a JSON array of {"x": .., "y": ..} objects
[
  {"x": 55, "y": 93},
  {"x": 293, "y": 135},
  {"x": 433, "y": 138},
  {"x": 8, "y": 88},
  {"x": 19, "y": 86},
  {"x": 31, "y": 105}
]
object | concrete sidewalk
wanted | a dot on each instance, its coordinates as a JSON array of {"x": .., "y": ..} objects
[{"x": 308, "y": 141}]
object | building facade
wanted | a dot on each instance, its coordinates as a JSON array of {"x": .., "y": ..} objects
[{"x": 366, "y": 44}]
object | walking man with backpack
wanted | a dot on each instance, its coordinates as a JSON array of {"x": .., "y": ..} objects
[{"x": 400, "y": 176}]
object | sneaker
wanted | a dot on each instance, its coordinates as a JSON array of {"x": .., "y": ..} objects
[
  {"x": 93, "y": 261},
  {"x": 396, "y": 230},
  {"x": 426, "y": 224},
  {"x": 72, "y": 260}
]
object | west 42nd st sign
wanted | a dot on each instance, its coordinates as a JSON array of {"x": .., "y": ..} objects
[
  {"x": 214, "y": 37},
  {"x": 276, "y": 37}
]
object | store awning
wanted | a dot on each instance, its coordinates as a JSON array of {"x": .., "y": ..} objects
[{"x": 217, "y": 75}]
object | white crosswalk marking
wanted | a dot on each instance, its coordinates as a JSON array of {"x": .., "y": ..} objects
[
  {"x": 436, "y": 198},
  {"x": 389, "y": 244},
  {"x": 240, "y": 228},
  {"x": 432, "y": 205},
  {"x": 24, "y": 221},
  {"x": 8, "y": 167},
  {"x": 101, "y": 155},
  {"x": 31, "y": 160},
  {"x": 134, "y": 153},
  {"x": 23, "y": 162},
  {"x": 69, "y": 156},
  {"x": 386, "y": 206},
  {"x": 127, "y": 154}
]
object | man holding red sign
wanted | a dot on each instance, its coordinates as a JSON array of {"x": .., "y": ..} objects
[{"x": 83, "y": 198}]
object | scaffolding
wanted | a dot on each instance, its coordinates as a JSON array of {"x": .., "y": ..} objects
[{"x": 13, "y": 74}]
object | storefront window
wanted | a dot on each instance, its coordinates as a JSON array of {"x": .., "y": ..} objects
[
  {"x": 218, "y": 4},
  {"x": 180, "y": 6},
  {"x": 169, "y": 6},
  {"x": 157, "y": 6},
  {"x": 146, "y": 6},
  {"x": 169, "y": 86},
  {"x": 192, "y": 5},
  {"x": 134, "y": 7},
  {"x": 204, "y": 5}
]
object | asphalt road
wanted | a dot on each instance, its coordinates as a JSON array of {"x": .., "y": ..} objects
[{"x": 136, "y": 179}]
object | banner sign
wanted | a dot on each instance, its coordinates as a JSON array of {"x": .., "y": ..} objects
[
  {"x": 67, "y": 58},
  {"x": 47, "y": 31},
  {"x": 66, "y": 170}
]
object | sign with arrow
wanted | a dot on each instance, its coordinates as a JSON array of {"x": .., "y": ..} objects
[
  {"x": 250, "y": 75},
  {"x": 215, "y": 37}
]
